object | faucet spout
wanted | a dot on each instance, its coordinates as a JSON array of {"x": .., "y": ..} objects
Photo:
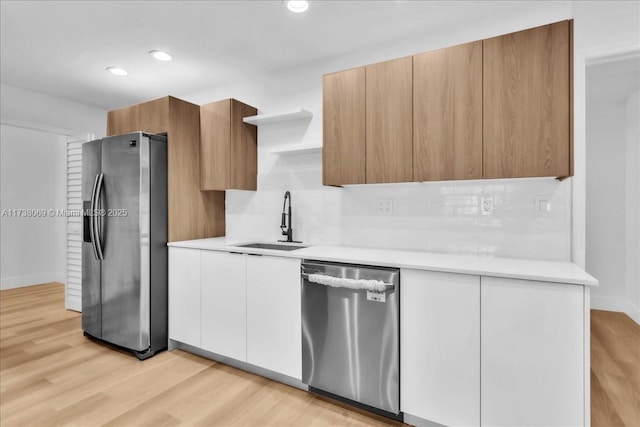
[{"x": 287, "y": 219}]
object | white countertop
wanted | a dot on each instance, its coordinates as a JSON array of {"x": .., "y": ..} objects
[{"x": 545, "y": 271}]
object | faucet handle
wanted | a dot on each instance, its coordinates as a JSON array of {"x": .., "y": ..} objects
[{"x": 283, "y": 224}]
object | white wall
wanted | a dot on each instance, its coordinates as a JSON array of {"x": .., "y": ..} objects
[
  {"x": 605, "y": 201},
  {"x": 632, "y": 220},
  {"x": 30, "y": 109},
  {"x": 442, "y": 217},
  {"x": 613, "y": 187},
  {"x": 34, "y": 135},
  {"x": 33, "y": 176}
]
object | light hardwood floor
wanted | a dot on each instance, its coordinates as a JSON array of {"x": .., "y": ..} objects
[
  {"x": 615, "y": 370},
  {"x": 50, "y": 374}
]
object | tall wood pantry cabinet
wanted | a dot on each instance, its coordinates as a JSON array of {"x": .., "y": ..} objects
[{"x": 193, "y": 214}]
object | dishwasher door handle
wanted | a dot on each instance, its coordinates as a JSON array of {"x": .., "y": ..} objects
[{"x": 342, "y": 282}]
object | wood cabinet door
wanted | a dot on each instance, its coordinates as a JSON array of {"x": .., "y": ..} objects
[
  {"x": 447, "y": 113},
  {"x": 244, "y": 148},
  {"x": 532, "y": 357},
  {"x": 274, "y": 335},
  {"x": 343, "y": 125},
  {"x": 193, "y": 214},
  {"x": 389, "y": 121},
  {"x": 123, "y": 120},
  {"x": 228, "y": 146},
  {"x": 224, "y": 304},
  {"x": 151, "y": 117},
  {"x": 215, "y": 145},
  {"x": 440, "y": 347},
  {"x": 154, "y": 116},
  {"x": 526, "y": 83},
  {"x": 184, "y": 295}
]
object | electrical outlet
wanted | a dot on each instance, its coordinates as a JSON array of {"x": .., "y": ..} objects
[
  {"x": 385, "y": 207},
  {"x": 542, "y": 205},
  {"x": 486, "y": 205}
]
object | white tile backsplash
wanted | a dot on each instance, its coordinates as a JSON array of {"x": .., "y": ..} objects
[{"x": 434, "y": 216}]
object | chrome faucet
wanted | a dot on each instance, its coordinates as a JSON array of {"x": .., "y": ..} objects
[{"x": 287, "y": 220}]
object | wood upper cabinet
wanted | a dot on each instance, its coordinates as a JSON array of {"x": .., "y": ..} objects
[
  {"x": 389, "y": 121},
  {"x": 192, "y": 214},
  {"x": 526, "y": 103},
  {"x": 343, "y": 125},
  {"x": 495, "y": 108},
  {"x": 228, "y": 146},
  {"x": 447, "y": 113}
]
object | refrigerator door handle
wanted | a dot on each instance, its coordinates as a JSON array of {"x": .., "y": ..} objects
[
  {"x": 93, "y": 208},
  {"x": 97, "y": 219}
]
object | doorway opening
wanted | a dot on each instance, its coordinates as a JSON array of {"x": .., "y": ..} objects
[{"x": 613, "y": 182}]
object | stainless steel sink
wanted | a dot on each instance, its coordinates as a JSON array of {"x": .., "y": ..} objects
[{"x": 274, "y": 246}]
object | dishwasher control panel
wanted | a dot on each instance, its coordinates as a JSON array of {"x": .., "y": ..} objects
[{"x": 376, "y": 296}]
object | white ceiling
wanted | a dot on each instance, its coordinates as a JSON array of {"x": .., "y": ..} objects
[{"x": 61, "y": 48}]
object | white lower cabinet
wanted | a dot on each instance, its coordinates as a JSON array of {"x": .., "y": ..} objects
[
  {"x": 532, "y": 361},
  {"x": 244, "y": 307},
  {"x": 274, "y": 337},
  {"x": 223, "y": 304},
  {"x": 440, "y": 347},
  {"x": 184, "y": 295},
  {"x": 473, "y": 350}
]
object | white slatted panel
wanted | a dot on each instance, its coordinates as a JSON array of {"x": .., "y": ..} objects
[{"x": 73, "y": 300}]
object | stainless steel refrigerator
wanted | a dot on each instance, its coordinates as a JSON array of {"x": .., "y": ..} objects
[{"x": 124, "y": 248}]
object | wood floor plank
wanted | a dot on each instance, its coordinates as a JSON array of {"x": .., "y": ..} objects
[
  {"x": 50, "y": 374},
  {"x": 604, "y": 414},
  {"x": 615, "y": 370}
]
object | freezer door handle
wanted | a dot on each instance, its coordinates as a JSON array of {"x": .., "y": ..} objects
[
  {"x": 97, "y": 219},
  {"x": 92, "y": 217}
]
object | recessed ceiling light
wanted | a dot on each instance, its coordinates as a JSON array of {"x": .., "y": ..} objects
[
  {"x": 117, "y": 71},
  {"x": 161, "y": 55},
  {"x": 298, "y": 6}
]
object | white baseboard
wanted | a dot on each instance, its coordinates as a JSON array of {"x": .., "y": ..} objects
[
  {"x": 620, "y": 305},
  {"x": 29, "y": 280}
]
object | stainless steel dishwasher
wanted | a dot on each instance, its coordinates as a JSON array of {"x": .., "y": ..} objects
[{"x": 350, "y": 334}]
